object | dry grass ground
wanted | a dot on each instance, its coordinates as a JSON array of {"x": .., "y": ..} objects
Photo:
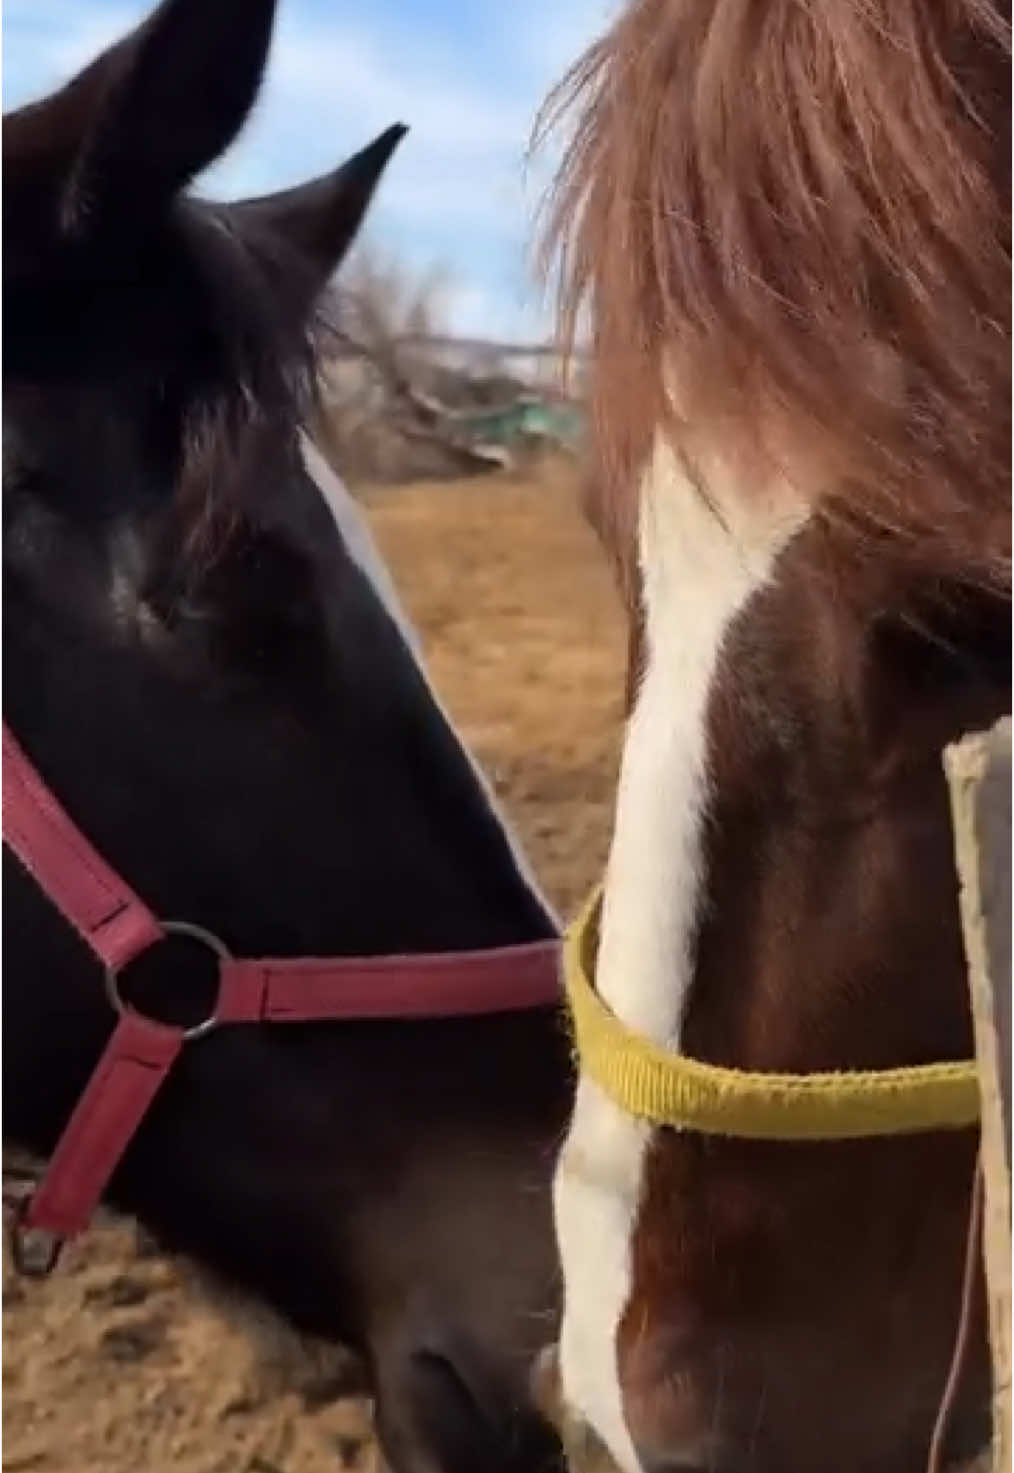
[
  {"x": 115, "y": 1365},
  {"x": 525, "y": 642}
]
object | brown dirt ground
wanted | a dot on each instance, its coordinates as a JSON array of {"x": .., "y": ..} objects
[{"x": 116, "y": 1365}]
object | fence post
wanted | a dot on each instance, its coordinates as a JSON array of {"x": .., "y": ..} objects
[{"x": 979, "y": 776}]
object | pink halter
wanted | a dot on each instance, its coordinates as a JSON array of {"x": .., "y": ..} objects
[{"x": 117, "y": 926}]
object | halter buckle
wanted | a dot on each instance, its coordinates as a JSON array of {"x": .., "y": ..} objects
[{"x": 35, "y": 1251}]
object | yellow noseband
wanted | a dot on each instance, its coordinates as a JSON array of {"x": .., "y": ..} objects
[{"x": 669, "y": 1089}]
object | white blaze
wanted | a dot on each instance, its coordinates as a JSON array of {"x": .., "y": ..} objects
[{"x": 700, "y": 565}]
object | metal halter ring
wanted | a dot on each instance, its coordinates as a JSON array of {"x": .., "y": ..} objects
[{"x": 174, "y": 928}]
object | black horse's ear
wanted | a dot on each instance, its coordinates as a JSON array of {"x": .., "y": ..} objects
[
  {"x": 158, "y": 107},
  {"x": 318, "y": 221}
]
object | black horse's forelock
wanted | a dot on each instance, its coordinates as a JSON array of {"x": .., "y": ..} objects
[
  {"x": 251, "y": 387},
  {"x": 252, "y": 288}
]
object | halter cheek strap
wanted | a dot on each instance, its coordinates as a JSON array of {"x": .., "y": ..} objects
[
  {"x": 670, "y": 1089},
  {"x": 117, "y": 927}
]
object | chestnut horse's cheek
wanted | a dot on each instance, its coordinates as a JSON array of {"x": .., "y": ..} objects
[{"x": 595, "y": 1194}]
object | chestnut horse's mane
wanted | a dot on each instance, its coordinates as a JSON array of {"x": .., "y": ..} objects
[{"x": 789, "y": 224}]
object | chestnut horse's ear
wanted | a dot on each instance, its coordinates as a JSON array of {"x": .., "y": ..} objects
[
  {"x": 318, "y": 221},
  {"x": 131, "y": 130}
]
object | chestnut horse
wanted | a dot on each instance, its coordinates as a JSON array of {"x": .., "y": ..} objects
[
  {"x": 204, "y": 660},
  {"x": 789, "y": 226}
]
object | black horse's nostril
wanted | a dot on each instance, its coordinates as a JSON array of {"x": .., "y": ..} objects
[
  {"x": 473, "y": 1422},
  {"x": 449, "y": 1387}
]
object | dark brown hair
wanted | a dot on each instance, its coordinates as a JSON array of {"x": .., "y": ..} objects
[{"x": 797, "y": 213}]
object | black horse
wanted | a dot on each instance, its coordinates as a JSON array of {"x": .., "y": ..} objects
[{"x": 202, "y": 666}]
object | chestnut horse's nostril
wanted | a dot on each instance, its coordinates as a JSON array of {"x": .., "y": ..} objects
[
  {"x": 690, "y": 1460},
  {"x": 666, "y": 1465},
  {"x": 681, "y": 1389},
  {"x": 583, "y": 1451},
  {"x": 651, "y": 1461}
]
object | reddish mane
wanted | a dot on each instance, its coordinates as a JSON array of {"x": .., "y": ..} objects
[{"x": 802, "y": 213}]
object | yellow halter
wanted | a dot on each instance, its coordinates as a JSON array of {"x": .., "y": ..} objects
[{"x": 670, "y": 1089}]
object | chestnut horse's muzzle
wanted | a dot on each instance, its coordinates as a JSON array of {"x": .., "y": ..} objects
[{"x": 583, "y": 1449}]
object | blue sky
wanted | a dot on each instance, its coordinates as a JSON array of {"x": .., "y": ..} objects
[{"x": 466, "y": 75}]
